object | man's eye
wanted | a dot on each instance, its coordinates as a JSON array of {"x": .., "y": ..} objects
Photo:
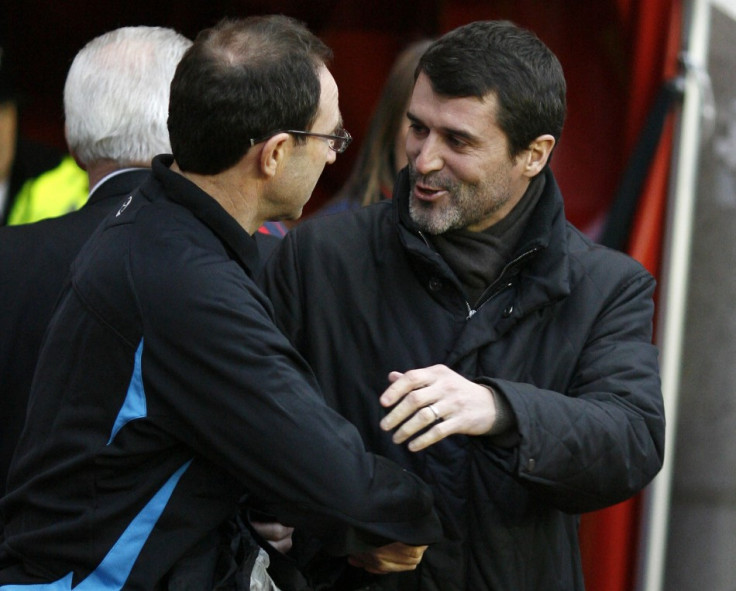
[{"x": 418, "y": 129}]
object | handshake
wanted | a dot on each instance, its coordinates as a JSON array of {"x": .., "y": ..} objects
[{"x": 391, "y": 558}]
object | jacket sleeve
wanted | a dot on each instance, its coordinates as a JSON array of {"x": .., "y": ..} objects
[
  {"x": 601, "y": 441},
  {"x": 232, "y": 387}
]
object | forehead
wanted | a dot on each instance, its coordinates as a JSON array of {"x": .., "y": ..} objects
[
  {"x": 329, "y": 109},
  {"x": 468, "y": 114}
]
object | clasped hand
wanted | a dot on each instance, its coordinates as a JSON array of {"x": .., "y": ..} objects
[
  {"x": 391, "y": 558},
  {"x": 439, "y": 400}
]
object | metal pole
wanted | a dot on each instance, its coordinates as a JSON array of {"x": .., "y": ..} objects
[{"x": 673, "y": 296}]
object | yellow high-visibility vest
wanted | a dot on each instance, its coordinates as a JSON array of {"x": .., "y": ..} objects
[{"x": 55, "y": 192}]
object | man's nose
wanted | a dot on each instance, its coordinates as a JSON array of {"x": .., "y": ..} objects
[{"x": 429, "y": 157}]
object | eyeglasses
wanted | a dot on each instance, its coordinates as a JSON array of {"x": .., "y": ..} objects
[{"x": 338, "y": 142}]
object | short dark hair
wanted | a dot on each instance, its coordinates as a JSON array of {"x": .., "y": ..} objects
[
  {"x": 500, "y": 57},
  {"x": 243, "y": 79}
]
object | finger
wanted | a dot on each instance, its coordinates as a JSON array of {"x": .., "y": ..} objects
[
  {"x": 366, "y": 565},
  {"x": 391, "y": 558},
  {"x": 402, "y": 553},
  {"x": 401, "y": 385},
  {"x": 272, "y": 531},
  {"x": 412, "y": 410},
  {"x": 395, "y": 392},
  {"x": 422, "y": 419},
  {"x": 379, "y": 566},
  {"x": 282, "y": 546},
  {"x": 437, "y": 433},
  {"x": 394, "y": 375},
  {"x": 414, "y": 402}
]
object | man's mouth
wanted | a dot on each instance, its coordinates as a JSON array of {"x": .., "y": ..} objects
[{"x": 426, "y": 192}]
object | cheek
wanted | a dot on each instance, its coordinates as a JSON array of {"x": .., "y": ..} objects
[{"x": 477, "y": 169}]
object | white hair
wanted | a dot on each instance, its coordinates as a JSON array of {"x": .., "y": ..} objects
[{"x": 116, "y": 95}]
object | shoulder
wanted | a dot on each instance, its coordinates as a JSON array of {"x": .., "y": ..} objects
[
  {"x": 55, "y": 240},
  {"x": 337, "y": 205},
  {"x": 160, "y": 259},
  {"x": 602, "y": 267},
  {"x": 343, "y": 229},
  {"x": 343, "y": 252}
]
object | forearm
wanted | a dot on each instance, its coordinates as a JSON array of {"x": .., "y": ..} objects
[{"x": 583, "y": 453}]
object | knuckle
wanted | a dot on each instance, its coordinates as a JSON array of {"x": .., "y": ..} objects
[
  {"x": 441, "y": 429},
  {"x": 413, "y": 397},
  {"x": 413, "y": 377}
]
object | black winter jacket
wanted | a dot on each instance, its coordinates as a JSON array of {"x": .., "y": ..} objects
[
  {"x": 162, "y": 395},
  {"x": 33, "y": 266},
  {"x": 564, "y": 334}
]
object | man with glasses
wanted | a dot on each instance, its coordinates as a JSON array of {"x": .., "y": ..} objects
[
  {"x": 164, "y": 395},
  {"x": 338, "y": 142}
]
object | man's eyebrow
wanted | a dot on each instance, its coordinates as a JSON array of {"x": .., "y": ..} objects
[
  {"x": 449, "y": 131},
  {"x": 413, "y": 118}
]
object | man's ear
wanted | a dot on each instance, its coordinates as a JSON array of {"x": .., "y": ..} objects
[
  {"x": 537, "y": 154},
  {"x": 273, "y": 153}
]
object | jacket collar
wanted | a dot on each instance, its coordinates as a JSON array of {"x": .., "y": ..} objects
[
  {"x": 540, "y": 262},
  {"x": 182, "y": 191},
  {"x": 118, "y": 183},
  {"x": 548, "y": 273}
]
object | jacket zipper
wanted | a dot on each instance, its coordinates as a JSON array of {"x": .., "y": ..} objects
[
  {"x": 490, "y": 291},
  {"x": 492, "y": 294}
]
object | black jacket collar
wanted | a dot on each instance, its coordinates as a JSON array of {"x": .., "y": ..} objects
[
  {"x": 541, "y": 259},
  {"x": 118, "y": 184},
  {"x": 182, "y": 191}
]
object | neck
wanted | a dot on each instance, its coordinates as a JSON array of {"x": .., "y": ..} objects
[{"x": 232, "y": 192}]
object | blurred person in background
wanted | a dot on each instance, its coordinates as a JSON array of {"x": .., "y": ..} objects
[
  {"x": 36, "y": 181},
  {"x": 383, "y": 151}
]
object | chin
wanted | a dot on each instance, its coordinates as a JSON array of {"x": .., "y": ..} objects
[
  {"x": 296, "y": 215},
  {"x": 428, "y": 218},
  {"x": 292, "y": 215}
]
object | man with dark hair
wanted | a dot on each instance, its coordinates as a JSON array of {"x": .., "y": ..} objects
[
  {"x": 164, "y": 394},
  {"x": 522, "y": 381}
]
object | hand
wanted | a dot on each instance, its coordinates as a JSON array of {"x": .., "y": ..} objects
[
  {"x": 392, "y": 558},
  {"x": 279, "y": 536},
  {"x": 438, "y": 397}
]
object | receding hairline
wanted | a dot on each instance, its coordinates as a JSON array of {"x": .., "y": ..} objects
[{"x": 232, "y": 44}]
